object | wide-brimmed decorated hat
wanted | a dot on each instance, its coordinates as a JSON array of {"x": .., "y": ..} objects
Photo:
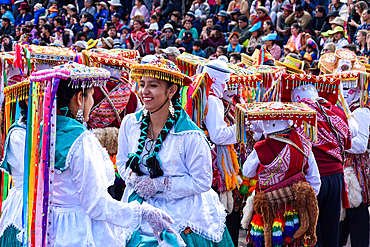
[
  {"x": 337, "y": 29},
  {"x": 81, "y": 76},
  {"x": 261, "y": 56},
  {"x": 292, "y": 65},
  {"x": 161, "y": 69},
  {"x": 298, "y": 113},
  {"x": 338, "y": 21},
  {"x": 341, "y": 60},
  {"x": 255, "y": 27},
  {"x": 91, "y": 43}
]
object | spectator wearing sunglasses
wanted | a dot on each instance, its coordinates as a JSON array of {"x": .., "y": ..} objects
[{"x": 169, "y": 38}]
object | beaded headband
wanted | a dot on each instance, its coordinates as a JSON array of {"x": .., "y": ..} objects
[
  {"x": 161, "y": 69},
  {"x": 80, "y": 75}
]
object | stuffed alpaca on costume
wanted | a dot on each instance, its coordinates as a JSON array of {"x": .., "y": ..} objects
[
  {"x": 305, "y": 203},
  {"x": 354, "y": 189},
  {"x": 247, "y": 212},
  {"x": 108, "y": 138},
  {"x": 261, "y": 207}
]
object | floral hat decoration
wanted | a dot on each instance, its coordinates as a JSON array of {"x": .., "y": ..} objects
[{"x": 161, "y": 69}]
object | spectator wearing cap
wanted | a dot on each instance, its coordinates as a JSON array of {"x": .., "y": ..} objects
[
  {"x": 187, "y": 41},
  {"x": 107, "y": 43},
  {"x": 24, "y": 15},
  {"x": 101, "y": 14},
  {"x": 256, "y": 4},
  {"x": 234, "y": 15},
  {"x": 38, "y": 11},
  {"x": 88, "y": 30},
  {"x": 117, "y": 22},
  {"x": 115, "y": 7},
  {"x": 242, "y": 29},
  {"x": 223, "y": 21},
  {"x": 281, "y": 27},
  {"x": 338, "y": 38},
  {"x": 125, "y": 34},
  {"x": 80, "y": 46},
  {"x": 299, "y": 16},
  {"x": 51, "y": 17},
  {"x": 140, "y": 7},
  {"x": 234, "y": 45},
  {"x": 172, "y": 53},
  {"x": 262, "y": 15},
  {"x": 169, "y": 38},
  {"x": 242, "y": 5},
  {"x": 328, "y": 18},
  {"x": 197, "y": 49},
  {"x": 7, "y": 27},
  {"x": 188, "y": 26},
  {"x": 201, "y": 9},
  {"x": 32, "y": 30},
  {"x": 255, "y": 39},
  {"x": 215, "y": 39},
  {"x": 175, "y": 16},
  {"x": 155, "y": 6},
  {"x": 220, "y": 5},
  {"x": 89, "y": 8},
  {"x": 7, "y": 13},
  {"x": 276, "y": 9},
  {"x": 196, "y": 23},
  {"x": 112, "y": 32},
  {"x": 271, "y": 46},
  {"x": 318, "y": 21}
]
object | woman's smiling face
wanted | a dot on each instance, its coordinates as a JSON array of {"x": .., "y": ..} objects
[{"x": 153, "y": 93}]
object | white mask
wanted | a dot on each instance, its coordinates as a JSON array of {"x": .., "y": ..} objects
[{"x": 229, "y": 94}]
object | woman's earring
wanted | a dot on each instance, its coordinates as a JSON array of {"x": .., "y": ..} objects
[
  {"x": 80, "y": 116},
  {"x": 172, "y": 109}
]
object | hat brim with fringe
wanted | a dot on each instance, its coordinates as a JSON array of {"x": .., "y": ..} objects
[{"x": 159, "y": 72}]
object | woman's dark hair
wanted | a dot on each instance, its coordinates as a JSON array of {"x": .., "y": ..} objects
[
  {"x": 297, "y": 26},
  {"x": 271, "y": 25},
  {"x": 76, "y": 17},
  {"x": 64, "y": 96},
  {"x": 4, "y": 7},
  {"x": 89, "y": 17},
  {"x": 321, "y": 9},
  {"x": 79, "y": 35},
  {"x": 24, "y": 110},
  {"x": 223, "y": 49},
  {"x": 65, "y": 36},
  {"x": 152, "y": 160},
  {"x": 185, "y": 21},
  {"x": 260, "y": 32},
  {"x": 138, "y": 21},
  {"x": 59, "y": 20},
  {"x": 48, "y": 27},
  {"x": 24, "y": 30}
]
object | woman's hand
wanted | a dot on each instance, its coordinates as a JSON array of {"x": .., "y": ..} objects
[
  {"x": 157, "y": 219},
  {"x": 178, "y": 41},
  {"x": 148, "y": 187},
  {"x": 352, "y": 23}
]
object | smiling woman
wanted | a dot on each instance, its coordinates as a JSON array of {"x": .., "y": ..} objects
[{"x": 159, "y": 162}]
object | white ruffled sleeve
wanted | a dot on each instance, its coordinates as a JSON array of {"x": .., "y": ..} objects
[
  {"x": 86, "y": 158},
  {"x": 197, "y": 160},
  {"x": 250, "y": 166},
  {"x": 359, "y": 142},
  {"x": 219, "y": 132}
]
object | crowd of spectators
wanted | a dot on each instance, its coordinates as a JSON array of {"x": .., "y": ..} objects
[{"x": 207, "y": 28}]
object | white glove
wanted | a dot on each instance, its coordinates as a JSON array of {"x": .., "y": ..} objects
[
  {"x": 148, "y": 187},
  {"x": 353, "y": 126},
  {"x": 157, "y": 219},
  {"x": 134, "y": 179}
]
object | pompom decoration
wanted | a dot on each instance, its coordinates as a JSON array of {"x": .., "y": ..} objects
[
  {"x": 257, "y": 230},
  {"x": 277, "y": 231}
]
